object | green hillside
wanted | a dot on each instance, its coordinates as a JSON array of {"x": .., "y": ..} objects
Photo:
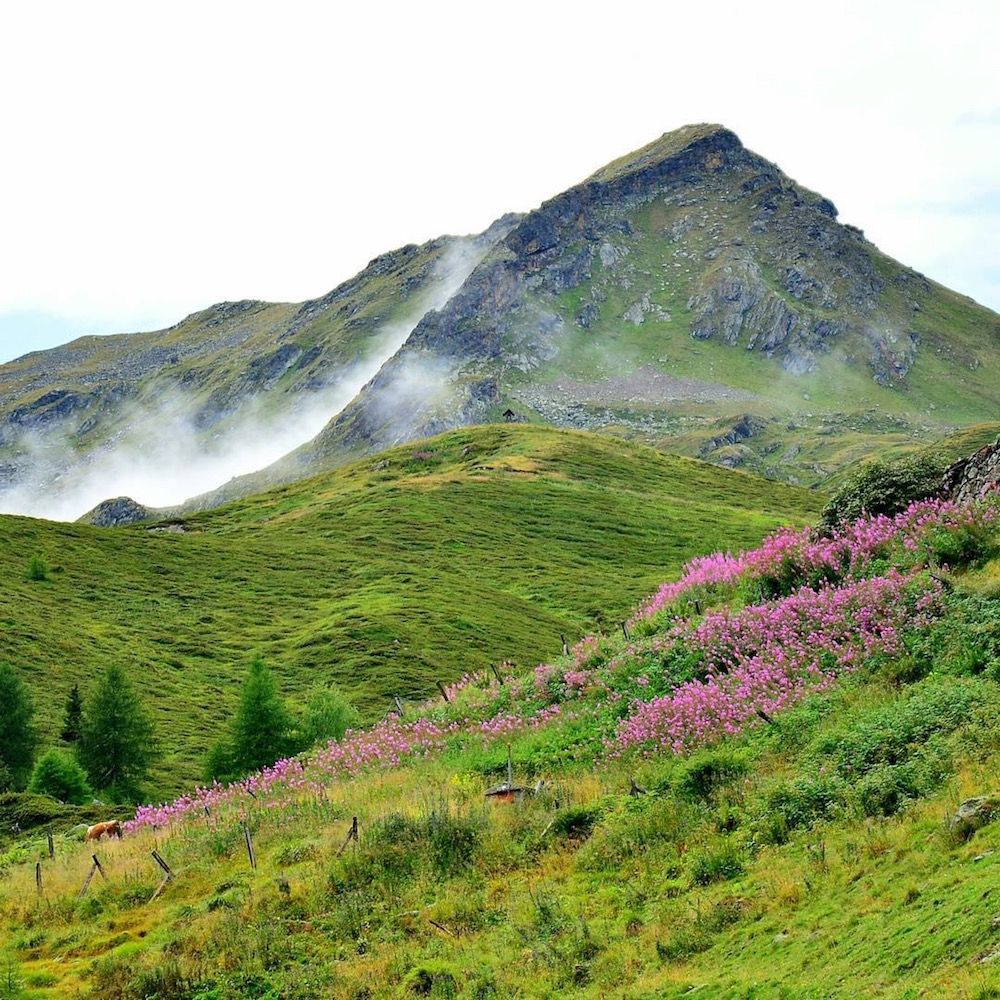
[
  {"x": 428, "y": 561},
  {"x": 751, "y": 797}
]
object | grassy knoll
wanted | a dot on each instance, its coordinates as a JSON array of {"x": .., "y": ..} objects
[
  {"x": 806, "y": 856},
  {"x": 430, "y": 560}
]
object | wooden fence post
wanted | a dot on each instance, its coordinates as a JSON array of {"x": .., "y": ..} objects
[
  {"x": 399, "y": 704},
  {"x": 86, "y": 881},
  {"x": 38, "y": 876},
  {"x": 97, "y": 865},
  {"x": 167, "y": 875},
  {"x": 496, "y": 673},
  {"x": 352, "y": 834},
  {"x": 565, "y": 645},
  {"x": 625, "y": 632},
  {"x": 443, "y": 690},
  {"x": 250, "y": 853},
  {"x": 52, "y": 846}
]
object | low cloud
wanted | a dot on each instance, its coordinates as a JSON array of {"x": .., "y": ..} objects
[{"x": 161, "y": 458}]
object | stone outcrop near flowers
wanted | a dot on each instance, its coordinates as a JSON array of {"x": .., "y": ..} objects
[{"x": 975, "y": 476}]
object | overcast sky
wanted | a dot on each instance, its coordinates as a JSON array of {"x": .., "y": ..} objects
[{"x": 158, "y": 158}]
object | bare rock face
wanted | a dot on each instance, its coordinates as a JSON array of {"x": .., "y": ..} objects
[
  {"x": 973, "y": 477},
  {"x": 116, "y": 512}
]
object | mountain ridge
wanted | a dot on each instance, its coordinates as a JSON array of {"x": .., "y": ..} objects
[{"x": 667, "y": 296}]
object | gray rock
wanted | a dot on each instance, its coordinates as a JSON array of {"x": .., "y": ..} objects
[
  {"x": 116, "y": 512},
  {"x": 975, "y": 813},
  {"x": 973, "y": 477}
]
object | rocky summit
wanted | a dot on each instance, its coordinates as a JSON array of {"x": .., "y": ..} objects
[{"x": 689, "y": 294}]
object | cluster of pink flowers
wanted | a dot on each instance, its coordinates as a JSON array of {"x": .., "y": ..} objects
[
  {"x": 843, "y": 551},
  {"x": 767, "y": 657},
  {"x": 386, "y": 745}
]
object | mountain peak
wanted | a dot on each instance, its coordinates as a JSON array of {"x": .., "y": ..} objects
[{"x": 667, "y": 146}]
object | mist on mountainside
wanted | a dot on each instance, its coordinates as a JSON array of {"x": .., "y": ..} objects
[{"x": 160, "y": 457}]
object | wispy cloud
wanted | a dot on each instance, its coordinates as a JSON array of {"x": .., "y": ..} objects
[{"x": 161, "y": 458}]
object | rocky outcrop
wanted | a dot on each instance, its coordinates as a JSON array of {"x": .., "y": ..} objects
[
  {"x": 975, "y": 813},
  {"x": 973, "y": 477},
  {"x": 116, "y": 512}
]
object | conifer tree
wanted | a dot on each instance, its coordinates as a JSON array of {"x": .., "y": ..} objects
[
  {"x": 73, "y": 720},
  {"x": 116, "y": 746},
  {"x": 18, "y": 738},
  {"x": 262, "y": 727}
]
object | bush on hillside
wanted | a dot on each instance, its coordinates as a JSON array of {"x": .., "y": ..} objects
[
  {"x": 704, "y": 772},
  {"x": 884, "y": 488},
  {"x": 328, "y": 715},
  {"x": 59, "y": 776},
  {"x": 38, "y": 569}
]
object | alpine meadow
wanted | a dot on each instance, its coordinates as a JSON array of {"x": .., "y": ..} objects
[{"x": 605, "y": 604}]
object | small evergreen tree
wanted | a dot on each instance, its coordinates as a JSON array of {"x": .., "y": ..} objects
[
  {"x": 17, "y": 731},
  {"x": 116, "y": 746},
  {"x": 73, "y": 720},
  {"x": 328, "y": 715},
  {"x": 261, "y": 731},
  {"x": 59, "y": 776}
]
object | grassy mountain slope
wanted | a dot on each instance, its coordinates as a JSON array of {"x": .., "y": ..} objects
[
  {"x": 440, "y": 557},
  {"x": 805, "y": 853}
]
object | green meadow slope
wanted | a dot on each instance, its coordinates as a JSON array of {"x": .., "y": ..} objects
[
  {"x": 387, "y": 575},
  {"x": 802, "y": 855}
]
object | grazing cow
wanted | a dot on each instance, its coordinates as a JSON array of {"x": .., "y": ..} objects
[{"x": 113, "y": 828}]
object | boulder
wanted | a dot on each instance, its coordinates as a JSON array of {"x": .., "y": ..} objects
[{"x": 975, "y": 813}]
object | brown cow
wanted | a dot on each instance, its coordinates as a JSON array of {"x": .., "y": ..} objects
[{"x": 113, "y": 828}]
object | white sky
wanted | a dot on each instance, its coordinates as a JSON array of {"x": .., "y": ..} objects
[{"x": 157, "y": 158}]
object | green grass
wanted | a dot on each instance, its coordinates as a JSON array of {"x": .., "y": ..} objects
[
  {"x": 581, "y": 891},
  {"x": 415, "y": 566},
  {"x": 809, "y": 857}
]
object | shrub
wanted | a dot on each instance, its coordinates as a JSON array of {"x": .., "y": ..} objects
[
  {"x": 717, "y": 863},
  {"x": 964, "y": 545},
  {"x": 884, "y": 488},
  {"x": 442, "y": 841},
  {"x": 895, "y": 733},
  {"x": 794, "y": 804},
  {"x": 38, "y": 569},
  {"x": 432, "y": 978},
  {"x": 703, "y": 773},
  {"x": 59, "y": 776},
  {"x": 328, "y": 715},
  {"x": 575, "y": 822}
]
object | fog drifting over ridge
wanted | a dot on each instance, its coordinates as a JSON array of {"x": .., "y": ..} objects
[{"x": 161, "y": 458}]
